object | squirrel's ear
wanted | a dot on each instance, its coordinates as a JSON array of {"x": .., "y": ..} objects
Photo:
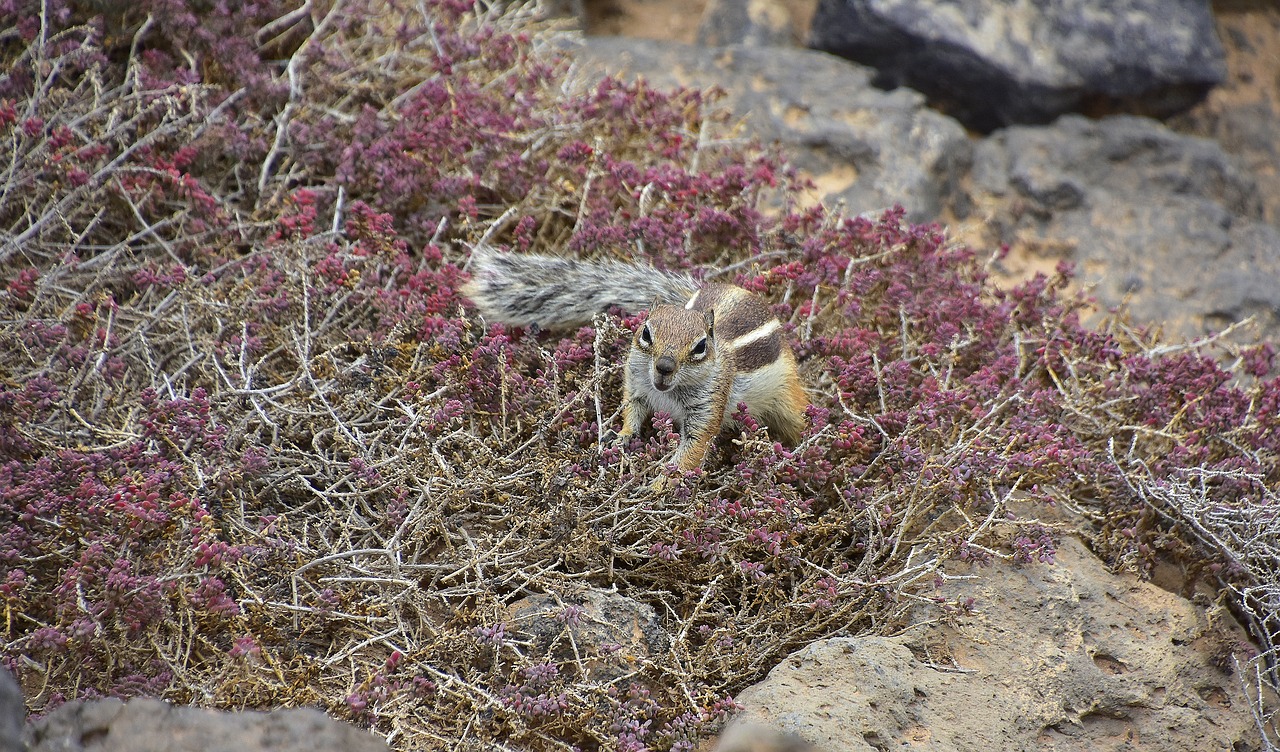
[
  {"x": 654, "y": 304},
  {"x": 709, "y": 316}
]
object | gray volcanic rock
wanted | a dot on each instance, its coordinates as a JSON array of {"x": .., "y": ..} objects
[
  {"x": 998, "y": 62},
  {"x": 869, "y": 148},
  {"x": 1165, "y": 221},
  {"x": 143, "y": 725},
  {"x": 12, "y": 713},
  {"x": 1061, "y": 657}
]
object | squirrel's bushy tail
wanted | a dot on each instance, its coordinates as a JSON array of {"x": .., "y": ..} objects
[{"x": 549, "y": 291}]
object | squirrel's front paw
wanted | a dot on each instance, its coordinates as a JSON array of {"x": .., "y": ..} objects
[
  {"x": 670, "y": 477},
  {"x": 616, "y": 438}
]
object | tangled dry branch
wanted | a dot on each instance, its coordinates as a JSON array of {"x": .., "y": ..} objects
[{"x": 254, "y": 450}]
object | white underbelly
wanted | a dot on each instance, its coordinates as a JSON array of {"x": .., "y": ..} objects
[{"x": 757, "y": 388}]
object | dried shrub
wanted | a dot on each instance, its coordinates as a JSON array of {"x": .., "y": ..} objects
[{"x": 254, "y": 450}]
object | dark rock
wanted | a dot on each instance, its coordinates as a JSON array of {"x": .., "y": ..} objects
[
  {"x": 1165, "y": 221},
  {"x": 12, "y": 713},
  {"x": 1121, "y": 155},
  {"x": 868, "y": 148},
  {"x": 605, "y": 632},
  {"x": 143, "y": 725},
  {"x": 753, "y": 23},
  {"x": 996, "y": 62}
]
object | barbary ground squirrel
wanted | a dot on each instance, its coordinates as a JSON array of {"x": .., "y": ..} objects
[{"x": 704, "y": 349}]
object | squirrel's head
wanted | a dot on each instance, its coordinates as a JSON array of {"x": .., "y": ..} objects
[{"x": 677, "y": 342}]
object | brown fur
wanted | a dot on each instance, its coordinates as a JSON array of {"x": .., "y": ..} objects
[
  {"x": 703, "y": 349},
  {"x": 704, "y": 389}
]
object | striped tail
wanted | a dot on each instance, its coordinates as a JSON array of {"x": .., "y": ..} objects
[{"x": 549, "y": 291}]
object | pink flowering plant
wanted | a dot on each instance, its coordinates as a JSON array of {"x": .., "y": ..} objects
[{"x": 255, "y": 450}]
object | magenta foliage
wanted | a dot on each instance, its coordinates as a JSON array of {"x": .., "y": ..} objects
[
  {"x": 89, "y": 539},
  {"x": 208, "y": 280}
]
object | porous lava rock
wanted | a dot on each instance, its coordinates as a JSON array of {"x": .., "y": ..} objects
[{"x": 1063, "y": 657}]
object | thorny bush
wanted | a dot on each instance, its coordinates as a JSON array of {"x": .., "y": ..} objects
[{"x": 255, "y": 451}]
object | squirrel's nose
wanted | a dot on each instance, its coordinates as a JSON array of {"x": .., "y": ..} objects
[{"x": 666, "y": 365}]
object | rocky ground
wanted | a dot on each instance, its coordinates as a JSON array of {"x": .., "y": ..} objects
[
  {"x": 1133, "y": 203},
  {"x": 1068, "y": 657},
  {"x": 1177, "y": 217}
]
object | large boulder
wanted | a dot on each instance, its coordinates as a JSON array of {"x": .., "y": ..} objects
[
  {"x": 1063, "y": 657},
  {"x": 998, "y": 62}
]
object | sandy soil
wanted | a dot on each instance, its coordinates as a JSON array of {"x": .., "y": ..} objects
[{"x": 673, "y": 19}]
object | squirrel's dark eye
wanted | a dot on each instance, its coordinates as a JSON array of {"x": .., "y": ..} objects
[
  {"x": 646, "y": 338},
  {"x": 700, "y": 348}
]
